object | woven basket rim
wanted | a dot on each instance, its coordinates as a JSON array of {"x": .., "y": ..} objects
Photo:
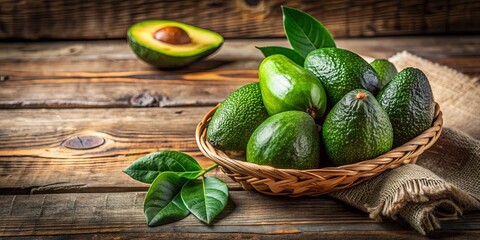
[{"x": 436, "y": 127}]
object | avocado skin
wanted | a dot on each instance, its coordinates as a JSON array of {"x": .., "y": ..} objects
[
  {"x": 287, "y": 86},
  {"x": 341, "y": 71},
  {"x": 165, "y": 61},
  {"x": 168, "y": 58},
  {"x": 236, "y": 118},
  {"x": 385, "y": 70},
  {"x": 408, "y": 100},
  {"x": 356, "y": 130},
  {"x": 286, "y": 140}
]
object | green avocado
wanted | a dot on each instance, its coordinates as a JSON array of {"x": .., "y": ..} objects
[
  {"x": 385, "y": 70},
  {"x": 168, "y": 44},
  {"x": 286, "y": 140},
  {"x": 409, "y": 103},
  {"x": 287, "y": 86},
  {"x": 356, "y": 129},
  {"x": 236, "y": 119},
  {"x": 341, "y": 71}
]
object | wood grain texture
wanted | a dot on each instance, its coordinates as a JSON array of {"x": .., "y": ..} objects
[
  {"x": 80, "y": 19},
  {"x": 107, "y": 74},
  {"x": 33, "y": 157},
  {"x": 127, "y": 89},
  {"x": 49, "y": 191},
  {"x": 232, "y": 50},
  {"x": 121, "y": 214}
]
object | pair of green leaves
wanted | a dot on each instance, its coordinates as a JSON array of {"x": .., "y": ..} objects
[
  {"x": 175, "y": 190},
  {"x": 305, "y": 34}
]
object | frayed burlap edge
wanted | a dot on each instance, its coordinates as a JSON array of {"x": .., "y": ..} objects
[
  {"x": 433, "y": 193},
  {"x": 418, "y": 190}
]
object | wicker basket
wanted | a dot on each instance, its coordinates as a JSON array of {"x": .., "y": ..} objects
[{"x": 314, "y": 182}]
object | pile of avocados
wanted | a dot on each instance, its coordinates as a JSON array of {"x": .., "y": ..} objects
[
  {"x": 318, "y": 105},
  {"x": 314, "y": 105},
  {"x": 168, "y": 44},
  {"x": 336, "y": 109}
]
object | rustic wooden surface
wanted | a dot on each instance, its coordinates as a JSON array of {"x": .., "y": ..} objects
[
  {"x": 91, "y": 19},
  {"x": 52, "y": 92}
]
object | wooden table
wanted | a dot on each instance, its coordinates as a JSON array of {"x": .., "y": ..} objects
[{"x": 54, "y": 94}]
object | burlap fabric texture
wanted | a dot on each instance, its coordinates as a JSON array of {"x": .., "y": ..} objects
[{"x": 445, "y": 183}]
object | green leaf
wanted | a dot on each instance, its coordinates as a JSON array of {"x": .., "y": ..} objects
[
  {"x": 304, "y": 32},
  {"x": 190, "y": 174},
  {"x": 147, "y": 168},
  {"x": 205, "y": 198},
  {"x": 287, "y": 52},
  {"x": 163, "y": 203}
]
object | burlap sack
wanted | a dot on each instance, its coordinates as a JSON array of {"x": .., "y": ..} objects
[{"x": 446, "y": 180}]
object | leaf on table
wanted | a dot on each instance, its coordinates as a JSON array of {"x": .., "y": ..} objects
[
  {"x": 304, "y": 32},
  {"x": 147, "y": 168},
  {"x": 205, "y": 198},
  {"x": 163, "y": 203},
  {"x": 287, "y": 52}
]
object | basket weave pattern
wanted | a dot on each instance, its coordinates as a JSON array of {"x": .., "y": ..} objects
[{"x": 314, "y": 182}]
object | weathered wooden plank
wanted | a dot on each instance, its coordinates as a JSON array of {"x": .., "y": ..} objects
[
  {"x": 120, "y": 89},
  {"x": 457, "y": 10},
  {"x": 327, "y": 235},
  {"x": 233, "y": 49},
  {"x": 36, "y": 175},
  {"x": 466, "y": 65},
  {"x": 33, "y": 157},
  {"x": 240, "y": 18},
  {"x": 154, "y": 128},
  {"x": 85, "y": 74},
  {"x": 117, "y": 214},
  {"x": 114, "y": 56},
  {"x": 106, "y": 74}
]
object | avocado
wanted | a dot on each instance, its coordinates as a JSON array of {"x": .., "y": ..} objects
[
  {"x": 356, "y": 129},
  {"x": 285, "y": 140},
  {"x": 409, "y": 103},
  {"x": 385, "y": 70},
  {"x": 168, "y": 44},
  {"x": 236, "y": 118},
  {"x": 287, "y": 86},
  {"x": 341, "y": 71}
]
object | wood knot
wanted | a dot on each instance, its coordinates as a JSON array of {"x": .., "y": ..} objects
[
  {"x": 145, "y": 99},
  {"x": 4, "y": 78},
  {"x": 252, "y": 3},
  {"x": 249, "y": 5},
  {"x": 83, "y": 142},
  {"x": 216, "y": 4}
]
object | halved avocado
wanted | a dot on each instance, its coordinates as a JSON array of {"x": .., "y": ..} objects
[{"x": 168, "y": 44}]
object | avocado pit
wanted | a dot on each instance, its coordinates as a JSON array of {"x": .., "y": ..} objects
[
  {"x": 172, "y": 35},
  {"x": 167, "y": 44}
]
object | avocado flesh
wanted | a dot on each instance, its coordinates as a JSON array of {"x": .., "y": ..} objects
[
  {"x": 356, "y": 129},
  {"x": 286, "y": 140},
  {"x": 385, "y": 70},
  {"x": 341, "y": 71},
  {"x": 236, "y": 119},
  {"x": 408, "y": 100},
  {"x": 164, "y": 55},
  {"x": 287, "y": 86}
]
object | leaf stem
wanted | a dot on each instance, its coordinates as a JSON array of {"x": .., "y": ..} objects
[{"x": 205, "y": 170}]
